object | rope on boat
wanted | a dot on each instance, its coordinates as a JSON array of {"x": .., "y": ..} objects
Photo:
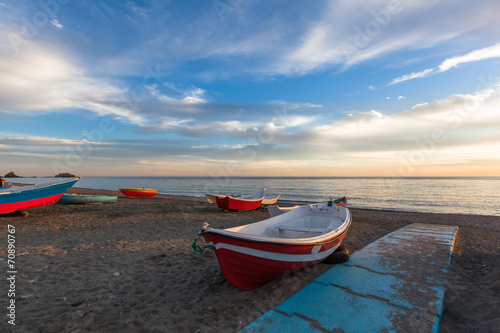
[{"x": 199, "y": 248}]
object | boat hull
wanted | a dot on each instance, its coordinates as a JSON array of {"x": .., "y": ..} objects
[
  {"x": 247, "y": 265},
  {"x": 33, "y": 196},
  {"x": 138, "y": 192},
  {"x": 72, "y": 199},
  {"x": 270, "y": 201},
  {"x": 230, "y": 203},
  {"x": 211, "y": 197}
]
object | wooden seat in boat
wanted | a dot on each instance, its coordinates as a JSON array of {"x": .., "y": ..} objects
[{"x": 301, "y": 229}]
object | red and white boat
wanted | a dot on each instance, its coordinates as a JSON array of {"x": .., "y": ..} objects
[
  {"x": 244, "y": 202},
  {"x": 268, "y": 200},
  {"x": 251, "y": 254}
]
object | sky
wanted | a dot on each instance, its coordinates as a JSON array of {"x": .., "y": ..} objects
[{"x": 227, "y": 88}]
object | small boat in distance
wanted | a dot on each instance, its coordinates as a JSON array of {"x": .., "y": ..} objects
[
  {"x": 31, "y": 196},
  {"x": 340, "y": 201},
  {"x": 80, "y": 199},
  {"x": 251, "y": 254},
  {"x": 244, "y": 202},
  {"x": 138, "y": 192}
]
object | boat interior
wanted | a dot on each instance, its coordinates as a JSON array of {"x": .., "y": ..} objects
[{"x": 303, "y": 222}]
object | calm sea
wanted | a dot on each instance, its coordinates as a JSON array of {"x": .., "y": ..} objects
[{"x": 480, "y": 196}]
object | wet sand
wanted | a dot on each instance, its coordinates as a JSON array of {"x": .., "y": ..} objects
[{"x": 129, "y": 267}]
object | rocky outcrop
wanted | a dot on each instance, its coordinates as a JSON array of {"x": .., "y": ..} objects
[
  {"x": 65, "y": 174},
  {"x": 11, "y": 175}
]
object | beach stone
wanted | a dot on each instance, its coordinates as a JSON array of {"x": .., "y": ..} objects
[
  {"x": 78, "y": 315},
  {"x": 77, "y": 302}
]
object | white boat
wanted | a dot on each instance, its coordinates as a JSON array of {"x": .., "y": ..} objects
[
  {"x": 270, "y": 200},
  {"x": 251, "y": 254},
  {"x": 211, "y": 197}
]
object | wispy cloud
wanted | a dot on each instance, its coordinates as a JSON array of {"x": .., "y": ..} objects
[
  {"x": 56, "y": 24},
  {"x": 414, "y": 75},
  {"x": 476, "y": 55}
]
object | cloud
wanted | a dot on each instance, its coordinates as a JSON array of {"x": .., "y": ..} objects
[
  {"x": 55, "y": 84},
  {"x": 443, "y": 129},
  {"x": 412, "y": 76},
  {"x": 477, "y": 55},
  {"x": 56, "y": 24},
  {"x": 345, "y": 35}
]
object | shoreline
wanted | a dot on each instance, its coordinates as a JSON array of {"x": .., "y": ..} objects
[
  {"x": 129, "y": 267},
  {"x": 284, "y": 203},
  {"x": 280, "y": 202}
]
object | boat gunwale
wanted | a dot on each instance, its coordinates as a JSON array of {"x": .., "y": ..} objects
[
  {"x": 21, "y": 189},
  {"x": 316, "y": 240}
]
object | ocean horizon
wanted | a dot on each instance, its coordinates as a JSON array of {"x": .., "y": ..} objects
[{"x": 458, "y": 195}]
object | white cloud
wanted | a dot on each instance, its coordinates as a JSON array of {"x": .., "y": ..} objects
[
  {"x": 477, "y": 55},
  {"x": 412, "y": 76},
  {"x": 346, "y": 35},
  {"x": 56, "y": 24}
]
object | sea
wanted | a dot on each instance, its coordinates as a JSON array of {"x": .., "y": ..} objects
[{"x": 458, "y": 195}]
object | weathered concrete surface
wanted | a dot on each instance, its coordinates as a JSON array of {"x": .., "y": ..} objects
[{"x": 395, "y": 284}]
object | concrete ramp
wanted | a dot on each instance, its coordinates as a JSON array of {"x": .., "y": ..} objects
[{"x": 395, "y": 284}]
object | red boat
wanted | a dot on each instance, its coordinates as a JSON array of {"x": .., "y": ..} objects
[
  {"x": 252, "y": 254},
  {"x": 245, "y": 202},
  {"x": 138, "y": 192}
]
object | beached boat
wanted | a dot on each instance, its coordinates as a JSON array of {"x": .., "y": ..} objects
[
  {"x": 270, "y": 200},
  {"x": 138, "y": 192},
  {"x": 251, "y": 254},
  {"x": 244, "y": 202},
  {"x": 211, "y": 197},
  {"x": 31, "y": 196},
  {"x": 277, "y": 210},
  {"x": 80, "y": 199},
  {"x": 340, "y": 201}
]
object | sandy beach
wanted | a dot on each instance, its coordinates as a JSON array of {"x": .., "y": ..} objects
[{"x": 129, "y": 267}]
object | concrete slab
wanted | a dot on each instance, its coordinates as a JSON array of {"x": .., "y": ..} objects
[{"x": 395, "y": 284}]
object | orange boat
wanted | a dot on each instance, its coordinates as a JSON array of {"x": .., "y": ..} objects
[{"x": 138, "y": 192}]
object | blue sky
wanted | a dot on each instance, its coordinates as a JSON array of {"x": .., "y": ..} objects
[{"x": 250, "y": 88}]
